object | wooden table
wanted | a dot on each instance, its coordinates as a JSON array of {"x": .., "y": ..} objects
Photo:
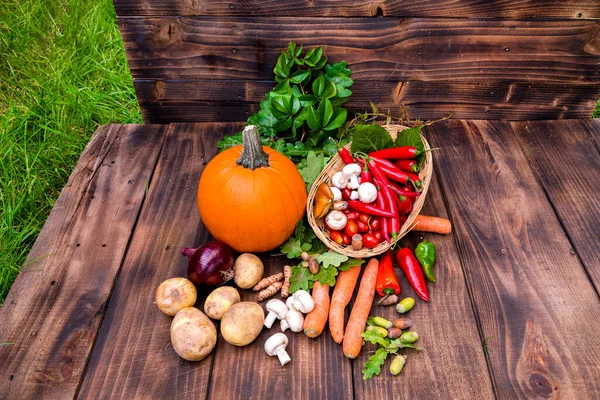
[{"x": 514, "y": 312}]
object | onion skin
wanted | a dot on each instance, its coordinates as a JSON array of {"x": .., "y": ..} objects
[{"x": 209, "y": 265}]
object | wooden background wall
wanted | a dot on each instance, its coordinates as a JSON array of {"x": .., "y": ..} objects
[{"x": 212, "y": 60}]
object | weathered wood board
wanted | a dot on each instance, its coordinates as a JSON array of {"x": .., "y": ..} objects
[
  {"x": 567, "y": 164},
  {"x": 531, "y": 294},
  {"x": 56, "y": 306},
  {"x": 359, "y": 8}
]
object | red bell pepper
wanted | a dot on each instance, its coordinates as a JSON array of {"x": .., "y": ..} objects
[
  {"x": 414, "y": 273},
  {"x": 387, "y": 281}
]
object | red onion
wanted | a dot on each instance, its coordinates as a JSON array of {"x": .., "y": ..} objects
[{"x": 209, "y": 265}]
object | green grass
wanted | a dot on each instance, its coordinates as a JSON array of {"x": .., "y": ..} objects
[{"x": 63, "y": 73}]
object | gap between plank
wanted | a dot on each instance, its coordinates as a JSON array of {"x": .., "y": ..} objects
[
  {"x": 460, "y": 257},
  {"x": 116, "y": 279},
  {"x": 549, "y": 199}
]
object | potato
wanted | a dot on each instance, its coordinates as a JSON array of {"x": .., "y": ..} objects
[
  {"x": 175, "y": 294},
  {"x": 248, "y": 270},
  {"x": 193, "y": 335},
  {"x": 220, "y": 300},
  {"x": 242, "y": 323}
]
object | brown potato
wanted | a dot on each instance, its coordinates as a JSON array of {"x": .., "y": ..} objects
[
  {"x": 175, "y": 294},
  {"x": 242, "y": 323},
  {"x": 220, "y": 300},
  {"x": 193, "y": 335},
  {"x": 248, "y": 270}
]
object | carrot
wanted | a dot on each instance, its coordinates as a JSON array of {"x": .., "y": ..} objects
[
  {"x": 342, "y": 294},
  {"x": 424, "y": 223},
  {"x": 360, "y": 312},
  {"x": 316, "y": 319}
]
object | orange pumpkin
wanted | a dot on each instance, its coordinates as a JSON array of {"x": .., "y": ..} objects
[{"x": 251, "y": 196}]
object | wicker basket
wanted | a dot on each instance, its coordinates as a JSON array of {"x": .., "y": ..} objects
[{"x": 336, "y": 164}]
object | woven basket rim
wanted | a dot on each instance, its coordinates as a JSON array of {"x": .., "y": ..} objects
[{"x": 336, "y": 164}]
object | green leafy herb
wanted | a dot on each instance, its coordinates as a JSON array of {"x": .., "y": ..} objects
[
  {"x": 300, "y": 278},
  {"x": 305, "y": 106},
  {"x": 375, "y": 337},
  {"x": 326, "y": 276},
  {"x": 311, "y": 167},
  {"x": 331, "y": 258},
  {"x": 351, "y": 262},
  {"x": 411, "y": 137},
  {"x": 369, "y": 138},
  {"x": 373, "y": 365}
]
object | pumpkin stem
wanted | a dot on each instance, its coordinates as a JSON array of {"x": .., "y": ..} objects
[{"x": 253, "y": 156}]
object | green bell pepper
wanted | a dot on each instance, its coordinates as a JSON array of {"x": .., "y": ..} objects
[{"x": 426, "y": 254}]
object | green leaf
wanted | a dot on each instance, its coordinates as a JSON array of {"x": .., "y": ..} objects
[
  {"x": 351, "y": 262},
  {"x": 339, "y": 75},
  {"x": 282, "y": 88},
  {"x": 411, "y": 137},
  {"x": 398, "y": 344},
  {"x": 312, "y": 118},
  {"x": 369, "y": 138},
  {"x": 314, "y": 165},
  {"x": 320, "y": 64},
  {"x": 326, "y": 276},
  {"x": 373, "y": 365},
  {"x": 296, "y": 92},
  {"x": 307, "y": 100},
  {"x": 281, "y": 103},
  {"x": 292, "y": 248},
  {"x": 300, "y": 279},
  {"x": 330, "y": 258},
  {"x": 294, "y": 106},
  {"x": 330, "y": 147},
  {"x": 374, "y": 337},
  {"x": 325, "y": 112},
  {"x": 329, "y": 90},
  {"x": 337, "y": 119},
  {"x": 283, "y": 125},
  {"x": 299, "y": 76},
  {"x": 371, "y": 321},
  {"x": 318, "y": 85}
]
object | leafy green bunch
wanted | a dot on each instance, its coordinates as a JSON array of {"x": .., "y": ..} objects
[{"x": 304, "y": 111}]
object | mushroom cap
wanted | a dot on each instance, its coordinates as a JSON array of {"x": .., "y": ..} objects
[
  {"x": 294, "y": 320},
  {"x": 275, "y": 343},
  {"x": 290, "y": 302},
  {"x": 278, "y": 307},
  {"x": 336, "y": 219},
  {"x": 351, "y": 170},
  {"x": 303, "y": 301}
]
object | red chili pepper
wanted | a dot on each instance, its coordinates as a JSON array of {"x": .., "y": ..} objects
[
  {"x": 408, "y": 165},
  {"x": 352, "y": 215},
  {"x": 336, "y": 236},
  {"x": 385, "y": 230},
  {"x": 346, "y": 193},
  {"x": 365, "y": 175},
  {"x": 414, "y": 273},
  {"x": 356, "y": 205},
  {"x": 394, "y": 222},
  {"x": 387, "y": 281},
  {"x": 408, "y": 192},
  {"x": 416, "y": 181},
  {"x": 395, "y": 153},
  {"x": 390, "y": 170},
  {"x": 404, "y": 205},
  {"x": 369, "y": 240},
  {"x": 346, "y": 156}
]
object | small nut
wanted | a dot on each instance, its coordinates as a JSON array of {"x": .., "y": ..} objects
[
  {"x": 379, "y": 329},
  {"x": 313, "y": 265},
  {"x": 394, "y": 333},
  {"x": 409, "y": 337},
  {"x": 340, "y": 205},
  {"x": 405, "y": 305},
  {"x": 397, "y": 364},
  {"x": 403, "y": 323}
]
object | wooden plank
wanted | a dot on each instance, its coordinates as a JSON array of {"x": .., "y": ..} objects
[
  {"x": 452, "y": 365},
  {"x": 389, "y": 49},
  {"x": 360, "y": 8},
  {"x": 567, "y": 164},
  {"x": 318, "y": 369},
  {"x": 531, "y": 295},
  {"x": 164, "y": 101},
  {"x": 54, "y": 310},
  {"x": 133, "y": 357}
]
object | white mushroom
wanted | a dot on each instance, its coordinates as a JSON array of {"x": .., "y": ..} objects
[
  {"x": 294, "y": 320},
  {"x": 367, "y": 192},
  {"x": 354, "y": 195},
  {"x": 303, "y": 301},
  {"x": 351, "y": 170},
  {"x": 353, "y": 182},
  {"x": 339, "y": 180},
  {"x": 275, "y": 345},
  {"x": 277, "y": 309},
  {"x": 290, "y": 302},
  {"x": 336, "y": 220},
  {"x": 337, "y": 193}
]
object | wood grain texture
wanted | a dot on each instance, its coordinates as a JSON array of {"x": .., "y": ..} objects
[
  {"x": 384, "y": 49},
  {"x": 360, "y": 8},
  {"x": 453, "y": 354},
  {"x": 318, "y": 369},
  {"x": 567, "y": 164},
  {"x": 133, "y": 357},
  {"x": 54, "y": 310},
  {"x": 531, "y": 294},
  {"x": 164, "y": 101}
]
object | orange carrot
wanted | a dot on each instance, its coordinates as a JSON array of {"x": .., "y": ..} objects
[
  {"x": 360, "y": 312},
  {"x": 424, "y": 223},
  {"x": 316, "y": 319},
  {"x": 342, "y": 293}
]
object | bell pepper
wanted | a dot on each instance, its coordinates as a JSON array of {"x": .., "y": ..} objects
[
  {"x": 387, "y": 281},
  {"x": 426, "y": 254},
  {"x": 413, "y": 271}
]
